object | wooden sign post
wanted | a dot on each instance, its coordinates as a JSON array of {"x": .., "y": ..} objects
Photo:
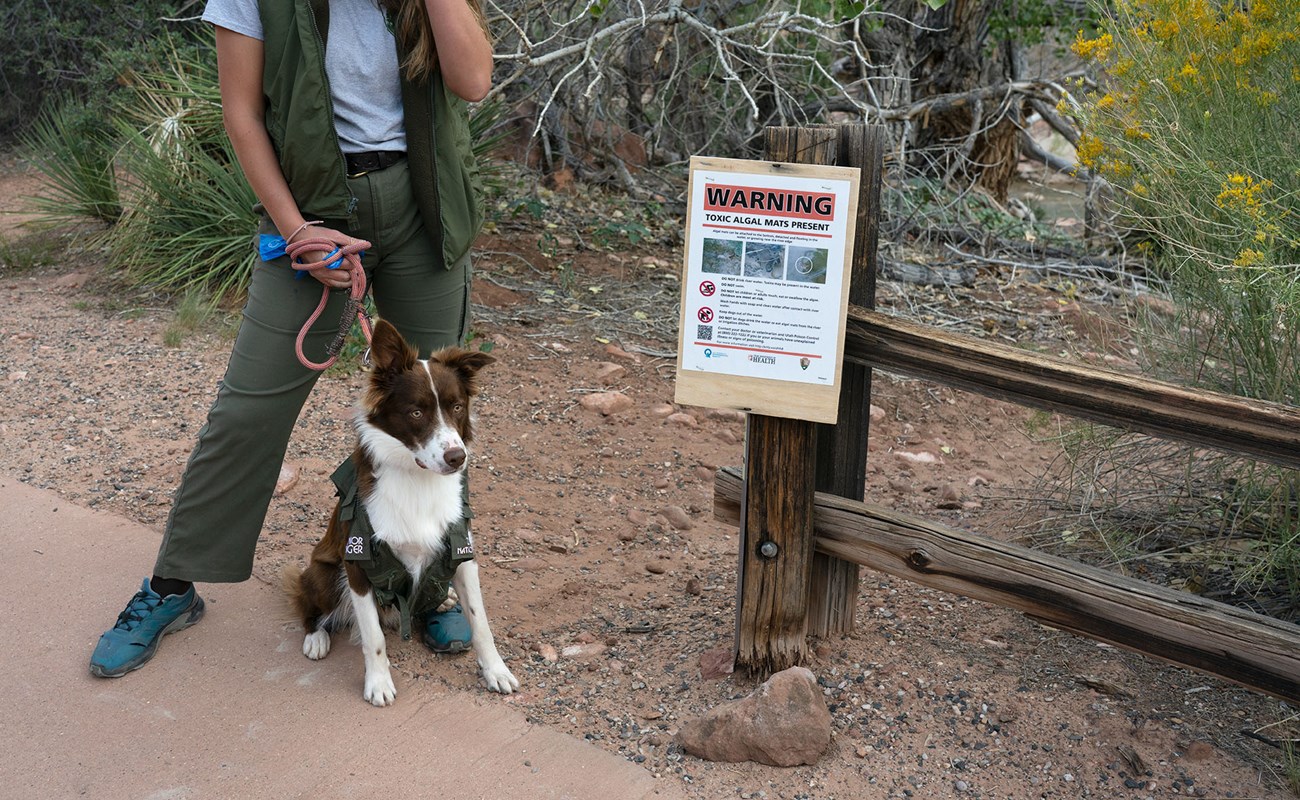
[{"x": 766, "y": 277}]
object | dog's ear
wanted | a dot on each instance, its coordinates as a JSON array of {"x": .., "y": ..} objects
[
  {"x": 389, "y": 352},
  {"x": 466, "y": 363}
]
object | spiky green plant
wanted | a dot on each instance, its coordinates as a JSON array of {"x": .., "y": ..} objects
[{"x": 74, "y": 148}]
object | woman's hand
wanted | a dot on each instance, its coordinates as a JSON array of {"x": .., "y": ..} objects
[{"x": 339, "y": 278}]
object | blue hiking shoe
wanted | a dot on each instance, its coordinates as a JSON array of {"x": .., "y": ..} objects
[
  {"x": 447, "y": 632},
  {"x": 133, "y": 639}
]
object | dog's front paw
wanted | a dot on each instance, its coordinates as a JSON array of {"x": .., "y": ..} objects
[
  {"x": 379, "y": 689},
  {"x": 499, "y": 678},
  {"x": 316, "y": 645}
]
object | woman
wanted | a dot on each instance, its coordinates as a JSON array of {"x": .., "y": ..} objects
[{"x": 350, "y": 121}]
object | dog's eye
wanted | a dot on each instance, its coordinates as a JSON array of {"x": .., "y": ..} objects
[
  {"x": 459, "y": 407},
  {"x": 416, "y": 413}
]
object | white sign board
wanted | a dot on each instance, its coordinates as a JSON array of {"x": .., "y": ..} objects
[{"x": 765, "y": 286}]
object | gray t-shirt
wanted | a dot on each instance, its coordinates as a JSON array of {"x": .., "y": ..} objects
[{"x": 360, "y": 62}]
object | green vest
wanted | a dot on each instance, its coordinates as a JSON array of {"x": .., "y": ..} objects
[
  {"x": 300, "y": 120},
  {"x": 388, "y": 577}
]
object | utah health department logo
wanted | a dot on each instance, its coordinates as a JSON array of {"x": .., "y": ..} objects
[{"x": 757, "y": 359}]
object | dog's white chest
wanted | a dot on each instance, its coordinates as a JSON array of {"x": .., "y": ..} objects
[{"x": 412, "y": 511}]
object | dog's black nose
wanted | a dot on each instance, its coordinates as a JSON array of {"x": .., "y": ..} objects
[{"x": 455, "y": 456}]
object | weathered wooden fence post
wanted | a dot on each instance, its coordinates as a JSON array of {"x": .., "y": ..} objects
[
  {"x": 842, "y": 448},
  {"x": 777, "y": 579}
]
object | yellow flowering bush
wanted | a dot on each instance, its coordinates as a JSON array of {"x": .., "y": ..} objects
[{"x": 1196, "y": 123}]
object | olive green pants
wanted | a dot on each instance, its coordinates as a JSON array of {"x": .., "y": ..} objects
[{"x": 221, "y": 504}]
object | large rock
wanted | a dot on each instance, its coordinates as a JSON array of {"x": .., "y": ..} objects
[{"x": 784, "y": 723}]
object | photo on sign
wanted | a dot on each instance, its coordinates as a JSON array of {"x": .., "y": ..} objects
[
  {"x": 806, "y": 264},
  {"x": 764, "y": 260},
  {"x": 722, "y": 256}
]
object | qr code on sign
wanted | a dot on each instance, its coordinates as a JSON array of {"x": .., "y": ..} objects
[{"x": 704, "y": 333}]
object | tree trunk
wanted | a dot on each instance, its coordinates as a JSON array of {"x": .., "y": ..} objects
[{"x": 949, "y": 51}]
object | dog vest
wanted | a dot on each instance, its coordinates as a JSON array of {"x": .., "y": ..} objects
[{"x": 388, "y": 577}]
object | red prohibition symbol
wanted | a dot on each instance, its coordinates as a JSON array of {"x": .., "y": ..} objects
[
  {"x": 707, "y": 288},
  {"x": 705, "y": 314}
]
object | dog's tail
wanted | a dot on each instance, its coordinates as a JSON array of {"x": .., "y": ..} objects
[{"x": 291, "y": 583}]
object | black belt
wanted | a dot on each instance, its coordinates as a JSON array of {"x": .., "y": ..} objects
[{"x": 372, "y": 161}]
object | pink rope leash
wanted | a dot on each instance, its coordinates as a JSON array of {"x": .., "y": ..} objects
[{"x": 345, "y": 257}]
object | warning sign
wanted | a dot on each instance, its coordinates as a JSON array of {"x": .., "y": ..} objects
[{"x": 768, "y": 249}]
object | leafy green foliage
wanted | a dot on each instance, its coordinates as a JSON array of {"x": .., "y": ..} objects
[{"x": 74, "y": 50}]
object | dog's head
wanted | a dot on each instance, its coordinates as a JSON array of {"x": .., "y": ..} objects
[{"x": 421, "y": 405}]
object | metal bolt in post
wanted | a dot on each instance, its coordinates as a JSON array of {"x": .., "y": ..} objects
[{"x": 768, "y": 549}]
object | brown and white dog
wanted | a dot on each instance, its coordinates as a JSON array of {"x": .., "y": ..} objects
[{"x": 413, "y": 426}]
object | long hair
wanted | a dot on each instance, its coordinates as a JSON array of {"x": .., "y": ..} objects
[{"x": 411, "y": 27}]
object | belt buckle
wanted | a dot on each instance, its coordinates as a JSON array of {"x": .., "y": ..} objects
[{"x": 370, "y": 162}]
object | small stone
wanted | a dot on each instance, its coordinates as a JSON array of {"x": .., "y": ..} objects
[
  {"x": 683, "y": 419},
  {"x": 18, "y": 375},
  {"x": 921, "y": 457},
  {"x": 677, "y": 517},
  {"x": 618, "y": 352},
  {"x": 693, "y": 586},
  {"x": 876, "y": 413},
  {"x": 528, "y": 564},
  {"x": 558, "y": 547},
  {"x": 726, "y": 415},
  {"x": 726, "y": 436},
  {"x": 607, "y": 403},
  {"x": 626, "y": 535},
  {"x": 608, "y": 372},
  {"x": 586, "y": 650},
  {"x": 662, "y": 483},
  {"x": 863, "y": 750},
  {"x": 287, "y": 480},
  {"x": 655, "y": 568},
  {"x": 961, "y": 786},
  {"x": 547, "y": 652},
  {"x": 705, "y": 474},
  {"x": 73, "y": 280},
  {"x": 638, "y": 517},
  {"x": 528, "y": 536},
  {"x": 900, "y": 487},
  {"x": 663, "y": 409},
  {"x": 717, "y": 663},
  {"x": 950, "y": 492}
]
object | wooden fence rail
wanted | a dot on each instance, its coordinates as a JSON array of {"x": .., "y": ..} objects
[
  {"x": 1256, "y": 651},
  {"x": 1267, "y": 431}
]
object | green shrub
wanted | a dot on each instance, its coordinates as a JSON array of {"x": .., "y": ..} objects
[
  {"x": 74, "y": 148},
  {"x": 189, "y": 220},
  {"x": 60, "y": 50},
  {"x": 1194, "y": 124}
]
